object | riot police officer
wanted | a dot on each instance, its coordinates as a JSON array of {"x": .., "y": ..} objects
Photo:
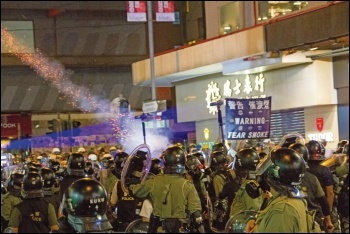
[
  {"x": 170, "y": 202},
  {"x": 323, "y": 173},
  {"x": 75, "y": 170},
  {"x": 50, "y": 185},
  {"x": 315, "y": 196},
  {"x": 286, "y": 210},
  {"x": 247, "y": 160},
  {"x": 86, "y": 206},
  {"x": 33, "y": 214},
  {"x": 12, "y": 198}
]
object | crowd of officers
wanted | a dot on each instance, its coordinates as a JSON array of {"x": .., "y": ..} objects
[{"x": 256, "y": 187}]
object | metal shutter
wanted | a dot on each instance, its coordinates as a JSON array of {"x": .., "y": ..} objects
[{"x": 286, "y": 121}]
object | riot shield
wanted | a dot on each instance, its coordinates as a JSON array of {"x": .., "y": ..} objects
[
  {"x": 334, "y": 161},
  {"x": 128, "y": 170},
  {"x": 237, "y": 223},
  {"x": 137, "y": 226}
]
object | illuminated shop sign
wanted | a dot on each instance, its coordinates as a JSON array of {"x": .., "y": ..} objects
[
  {"x": 328, "y": 136},
  {"x": 235, "y": 89}
]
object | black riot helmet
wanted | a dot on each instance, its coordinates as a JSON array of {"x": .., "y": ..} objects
[
  {"x": 48, "y": 177},
  {"x": 193, "y": 166},
  {"x": 287, "y": 168},
  {"x": 156, "y": 167},
  {"x": 32, "y": 186},
  {"x": 54, "y": 165},
  {"x": 316, "y": 150},
  {"x": 219, "y": 147},
  {"x": 107, "y": 161},
  {"x": 247, "y": 159},
  {"x": 340, "y": 146},
  {"x": 119, "y": 161},
  {"x": 217, "y": 160},
  {"x": 86, "y": 197},
  {"x": 15, "y": 184},
  {"x": 174, "y": 159},
  {"x": 89, "y": 168},
  {"x": 76, "y": 164},
  {"x": 301, "y": 149},
  {"x": 200, "y": 157}
]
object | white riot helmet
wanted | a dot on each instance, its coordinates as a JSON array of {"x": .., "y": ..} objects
[
  {"x": 92, "y": 157},
  {"x": 56, "y": 151}
]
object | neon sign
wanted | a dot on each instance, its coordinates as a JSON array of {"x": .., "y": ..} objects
[{"x": 213, "y": 91}]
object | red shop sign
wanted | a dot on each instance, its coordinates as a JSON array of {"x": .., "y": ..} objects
[
  {"x": 12, "y": 125},
  {"x": 319, "y": 124}
]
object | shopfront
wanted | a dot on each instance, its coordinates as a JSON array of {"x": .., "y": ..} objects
[{"x": 303, "y": 94}]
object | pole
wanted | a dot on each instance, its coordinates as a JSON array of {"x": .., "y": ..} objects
[
  {"x": 151, "y": 48},
  {"x": 151, "y": 57}
]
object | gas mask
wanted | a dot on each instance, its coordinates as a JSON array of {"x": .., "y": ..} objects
[{"x": 255, "y": 187}]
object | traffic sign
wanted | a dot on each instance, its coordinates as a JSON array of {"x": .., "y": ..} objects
[{"x": 154, "y": 106}]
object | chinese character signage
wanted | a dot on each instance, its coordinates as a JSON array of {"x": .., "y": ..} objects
[
  {"x": 165, "y": 11},
  {"x": 250, "y": 88},
  {"x": 136, "y": 11},
  {"x": 248, "y": 118}
]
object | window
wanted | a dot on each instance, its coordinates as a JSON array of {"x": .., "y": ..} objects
[
  {"x": 286, "y": 121},
  {"x": 23, "y": 33},
  {"x": 271, "y": 9}
]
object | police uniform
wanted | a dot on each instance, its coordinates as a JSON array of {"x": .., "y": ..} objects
[
  {"x": 111, "y": 180},
  {"x": 10, "y": 201},
  {"x": 342, "y": 171},
  {"x": 282, "y": 215},
  {"x": 38, "y": 212},
  {"x": 312, "y": 189},
  {"x": 172, "y": 194},
  {"x": 243, "y": 201}
]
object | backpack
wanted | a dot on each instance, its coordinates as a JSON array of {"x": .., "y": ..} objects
[{"x": 343, "y": 198}]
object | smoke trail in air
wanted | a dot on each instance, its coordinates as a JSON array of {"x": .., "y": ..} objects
[{"x": 80, "y": 97}]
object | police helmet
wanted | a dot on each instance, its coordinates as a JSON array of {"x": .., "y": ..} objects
[
  {"x": 219, "y": 147},
  {"x": 86, "y": 197},
  {"x": 48, "y": 176},
  {"x": 89, "y": 169},
  {"x": 119, "y": 161},
  {"x": 32, "y": 186},
  {"x": 301, "y": 149},
  {"x": 287, "y": 168},
  {"x": 247, "y": 159},
  {"x": 200, "y": 157},
  {"x": 174, "y": 158},
  {"x": 155, "y": 166},
  {"x": 217, "y": 160},
  {"x": 346, "y": 149},
  {"x": 340, "y": 146},
  {"x": 316, "y": 150},
  {"x": 54, "y": 166},
  {"x": 32, "y": 169},
  {"x": 15, "y": 181},
  {"x": 193, "y": 163},
  {"x": 76, "y": 164},
  {"x": 107, "y": 161},
  {"x": 34, "y": 164}
]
